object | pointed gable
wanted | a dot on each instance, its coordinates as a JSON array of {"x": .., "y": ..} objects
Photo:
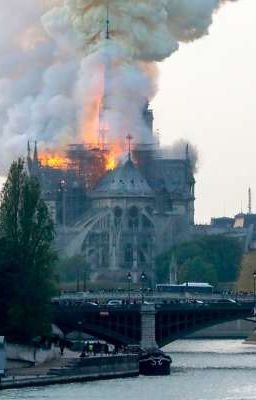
[{"x": 125, "y": 181}]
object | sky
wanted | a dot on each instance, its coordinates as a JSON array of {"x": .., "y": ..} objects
[{"x": 207, "y": 94}]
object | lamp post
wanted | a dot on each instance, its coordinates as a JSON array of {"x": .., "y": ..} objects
[
  {"x": 63, "y": 200},
  {"x": 142, "y": 278},
  {"x": 85, "y": 279},
  {"x": 254, "y": 294},
  {"x": 129, "y": 278},
  {"x": 80, "y": 323},
  {"x": 78, "y": 277}
]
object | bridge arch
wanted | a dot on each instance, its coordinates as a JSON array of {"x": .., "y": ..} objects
[{"x": 123, "y": 325}]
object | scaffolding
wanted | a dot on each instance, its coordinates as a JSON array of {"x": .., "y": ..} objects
[{"x": 88, "y": 162}]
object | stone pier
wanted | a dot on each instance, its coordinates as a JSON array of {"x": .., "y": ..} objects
[{"x": 148, "y": 323}]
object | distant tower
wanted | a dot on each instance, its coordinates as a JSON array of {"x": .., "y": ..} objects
[
  {"x": 187, "y": 159},
  {"x": 249, "y": 201},
  {"x": 148, "y": 118},
  {"x": 187, "y": 152},
  {"x": 190, "y": 186}
]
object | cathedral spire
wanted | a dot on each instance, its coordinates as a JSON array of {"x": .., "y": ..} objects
[
  {"x": 107, "y": 24},
  {"x": 105, "y": 102},
  {"x": 129, "y": 140},
  {"x": 35, "y": 159},
  {"x": 29, "y": 160}
]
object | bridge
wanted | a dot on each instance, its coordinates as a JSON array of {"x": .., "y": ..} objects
[{"x": 148, "y": 325}]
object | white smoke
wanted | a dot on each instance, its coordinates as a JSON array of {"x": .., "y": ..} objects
[{"x": 52, "y": 55}]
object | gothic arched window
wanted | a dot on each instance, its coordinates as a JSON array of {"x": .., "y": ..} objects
[
  {"x": 118, "y": 212},
  {"x": 133, "y": 217}
]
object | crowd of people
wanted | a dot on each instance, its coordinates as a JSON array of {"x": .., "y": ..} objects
[{"x": 92, "y": 348}]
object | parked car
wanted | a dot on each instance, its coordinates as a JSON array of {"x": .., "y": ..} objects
[
  {"x": 226, "y": 301},
  {"x": 115, "y": 302},
  {"x": 91, "y": 303}
]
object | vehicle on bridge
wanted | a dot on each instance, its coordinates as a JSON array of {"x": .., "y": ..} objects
[
  {"x": 115, "y": 302},
  {"x": 186, "y": 287}
]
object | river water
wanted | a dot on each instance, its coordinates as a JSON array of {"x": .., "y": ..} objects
[{"x": 201, "y": 370}]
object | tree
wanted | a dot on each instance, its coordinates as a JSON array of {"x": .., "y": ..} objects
[
  {"x": 246, "y": 281},
  {"x": 225, "y": 253},
  {"x": 26, "y": 256},
  {"x": 163, "y": 267},
  {"x": 73, "y": 269},
  {"x": 197, "y": 270},
  {"x": 219, "y": 254}
]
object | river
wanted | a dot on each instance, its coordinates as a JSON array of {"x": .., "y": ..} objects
[{"x": 201, "y": 370}]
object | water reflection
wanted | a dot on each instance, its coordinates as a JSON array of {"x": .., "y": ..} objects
[{"x": 202, "y": 370}]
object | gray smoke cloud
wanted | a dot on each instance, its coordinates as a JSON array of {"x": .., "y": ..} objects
[
  {"x": 53, "y": 56},
  {"x": 178, "y": 151}
]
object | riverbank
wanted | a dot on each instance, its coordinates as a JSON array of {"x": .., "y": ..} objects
[
  {"x": 72, "y": 369},
  {"x": 201, "y": 369}
]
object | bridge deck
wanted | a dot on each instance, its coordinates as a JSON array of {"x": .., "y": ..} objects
[{"x": 122, "y": 324}]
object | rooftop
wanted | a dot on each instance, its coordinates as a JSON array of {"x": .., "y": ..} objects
[{"x": 124, "y": 181}]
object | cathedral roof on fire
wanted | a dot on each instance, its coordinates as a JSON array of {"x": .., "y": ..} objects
[{"x": 125, "y": 180}]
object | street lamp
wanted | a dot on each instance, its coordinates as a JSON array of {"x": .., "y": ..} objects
[
  {"x": 129, "y": 278},
  {"x": 142, "y": 278},
  {"x": 254, "y": 294},
  {"x": 80, "y": 323},
  {"x": 85, "y": 279},
  {"x": 77, "y": 277},
  {"x": 63, "y": 200}
]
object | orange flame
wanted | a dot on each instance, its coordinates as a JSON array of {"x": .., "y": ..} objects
[
  {"x": 90, "y": 117},
  {"x": 53, "y": 160},
  {"x": 113, "y": 156}
]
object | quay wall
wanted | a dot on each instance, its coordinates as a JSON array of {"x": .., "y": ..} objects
[
  {"x": 95, "y": 368},
  {"x": 33, "y": 355}
]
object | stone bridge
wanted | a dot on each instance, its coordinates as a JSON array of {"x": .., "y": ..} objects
[{"x": 148, "y": 325}]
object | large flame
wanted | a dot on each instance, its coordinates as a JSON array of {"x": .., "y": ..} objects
[
  {"x": 92, "y": 111},
  {"x": 113, "y": 156},
  {"x": 53, "y": 160},
  {"x": 90, "y": 122}
]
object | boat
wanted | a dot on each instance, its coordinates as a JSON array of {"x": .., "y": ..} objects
[{"x": 154, "y": 362}]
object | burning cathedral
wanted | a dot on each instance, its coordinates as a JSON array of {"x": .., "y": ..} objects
[
  {"x": 81, "y": 87},
  {"x": 119, "y": 218},
  {"x": 116, "y": 201}
]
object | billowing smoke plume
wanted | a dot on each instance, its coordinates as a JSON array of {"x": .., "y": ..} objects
[
  {"x": 58, "y": 70},
  {"x": 181, "y": 149}
]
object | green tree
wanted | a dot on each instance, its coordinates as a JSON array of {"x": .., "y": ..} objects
[
  {"x": 220, "y": 254},
  {"x": 163, "y": 267},
  {"x": 73, "y": 270},
  {"x": 26, "y": 257},
  {"x": 197, "y": 270},
  {"x": 225, "y": 253}
]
